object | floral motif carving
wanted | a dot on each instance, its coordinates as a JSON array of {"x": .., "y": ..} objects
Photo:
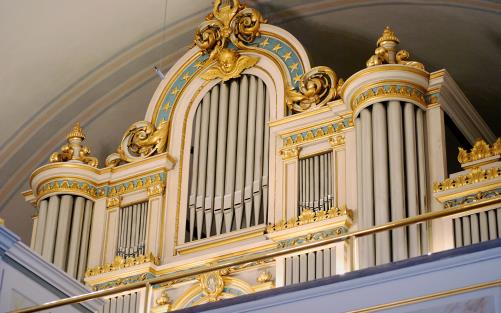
[
  {"x": 481, "y": 150},
  {"x": 120, "y": 263},
  {"x": 309, "y": 216}
]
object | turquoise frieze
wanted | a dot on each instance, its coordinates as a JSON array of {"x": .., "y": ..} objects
[
  {"x": 276, "y": 46},
  {"x": 103, "y": 191},
  {"x": 123, "y": 281},
  {"x": 316, "y": 132},
  {"x": 472, "y": 198}
]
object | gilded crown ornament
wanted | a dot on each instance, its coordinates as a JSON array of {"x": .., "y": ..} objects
[
  {"x": 480, "y": 151},
  {"x": 385, "y": 52},
  {"x": 317, "y": 87},
  {"x": 229, "y": 22},
  {"x": 74, "y": 151},
  {"x": 140, "y": 141}
]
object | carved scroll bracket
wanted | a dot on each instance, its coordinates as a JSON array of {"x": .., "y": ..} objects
[
  {"x": 140, "y": 141},
  {"x": 317, "y": 87}
]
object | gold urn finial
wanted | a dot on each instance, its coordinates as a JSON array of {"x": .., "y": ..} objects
[
  {"x": 388, "y": 35},
  {"x": 386, "y": 52},
  {"x": 74, "y": 150},
  {"x": 76, "y": 132}
]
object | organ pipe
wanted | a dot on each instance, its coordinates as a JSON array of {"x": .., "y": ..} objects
[{"x": 234, "y": 180}]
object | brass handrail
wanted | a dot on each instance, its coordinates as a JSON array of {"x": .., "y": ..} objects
[{"x": 260, "y": 256}]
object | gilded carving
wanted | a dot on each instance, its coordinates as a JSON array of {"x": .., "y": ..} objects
[
  {"x": 229, "y": 22},
  {"x": 120, "y": 263},
  {"x": 230, "y": 64},
  {"x": 156, "y": 190},
  {"x": 481, "y": 150},
  {"x": 164, "y": 300},
  {"x": 113, "y": 202},
  {"x": 212, "y": 285},
  {"x": 74, "y": 150},
  {"x": 264, "y": 277},
  {"x": 309, "y": 216},
  {"x": 140, "y": 141},
  {"x": 474, "y": 176},
  {"x": 385, "y": 52},
  {"x": 317, "y": 87},
  {"x": 290, "y": 153}
]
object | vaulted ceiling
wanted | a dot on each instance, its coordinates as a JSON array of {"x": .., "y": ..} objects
[{"x": 91, "y": 61}]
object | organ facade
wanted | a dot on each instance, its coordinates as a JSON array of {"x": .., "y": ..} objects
[{"x": 246, "y": 150}]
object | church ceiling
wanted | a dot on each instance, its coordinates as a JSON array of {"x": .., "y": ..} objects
[{"x": 92, "y": 61}]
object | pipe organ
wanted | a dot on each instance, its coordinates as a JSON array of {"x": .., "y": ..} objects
[
  {"x": 229, "y": 159},
  {"x": 392, "y": 177},
  {"x": 132, "y": 221},
  {"x": 246, "y": 149},
  {"x": 316, "y": 183}
]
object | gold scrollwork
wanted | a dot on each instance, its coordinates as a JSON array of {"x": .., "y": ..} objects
[
  {"x": 120, "y": 263},
  {"x": 74, "y": 150},
  {"x": 212, "y": 285},
  {"x": 474, "y": 176},
  {"x": 385, "y": 52},
  {"x": 309, "y": 216},
  {"x": 479, "y": 151},
  {"x": 317, "y": 87},
  {"x": 140, "y": 141},
  {"x": 229, "y": 22}
]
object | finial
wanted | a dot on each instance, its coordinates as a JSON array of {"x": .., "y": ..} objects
[
  {"x": 76, "y": 132},
  {"x": 386, "y": 52},
  {"x": 74, "y": 150},
  {"x": 388, "y": 35}
]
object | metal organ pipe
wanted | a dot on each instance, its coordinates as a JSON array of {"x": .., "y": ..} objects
[
  {"x": 234, "y": 142},
  {"x": 367, "y": 183},
  {"x": 229, "y": 184},
  {"x": 204, "y": 139},
  {"x": 42, "y": 218},
  {"x": 211, "y": 161},
  {"x": 241, "y": 150}
]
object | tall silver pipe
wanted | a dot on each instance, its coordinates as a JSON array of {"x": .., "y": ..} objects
[
  {"x": 194, "y": 171},
  {"x": 316, "y": 181},
  {"x": 360, "y": 212},
  {"x": 367, "y": 182},
  {"x": 221, "y": 155},
  {"x": 422, "y": 175},
  {"x": 50, "y": 229},
  {"x": 211, "y": 161},
  {"x": 241, "y": 150},
  {"x": 249, "y": 165},
  {"x": 42, "y": 219},
  {"x": 63, "y": 231},
  {"x": 381, "y": 186},
  {"x": 322, "y": 179},
  {"x": 202, "y": 169},
  {"x": 84, "y": 245},
  {"x": 397, "y": 182},
  {"x": 411, "y": 177},
  {"x": 258, "y": 151},
  {"x": 231, "y": 152},
  {"x": 76, "y": 236},
  {"x": 266, "y": 155}
]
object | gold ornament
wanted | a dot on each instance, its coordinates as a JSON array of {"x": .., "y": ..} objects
[
  {"x": 74, "y": 150},
  {"x": 385, "y": 52},
  {"x": 230, "y": 64},
  {"x": 229, "y": 22},
  {"x": 480, "y": 150},
  {"x": 212, "y": 285},
  {"x": 264, "y": 277},
  {"x": 140, "y": 141},
  {"x": 316, "y": 88}
]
